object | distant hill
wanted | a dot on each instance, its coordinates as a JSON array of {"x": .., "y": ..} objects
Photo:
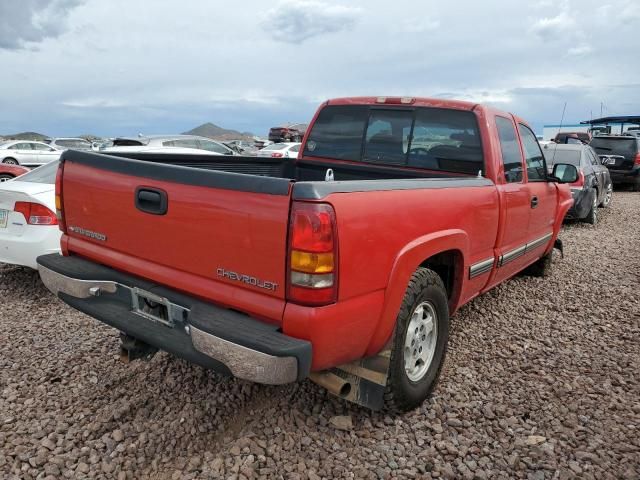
[
  {"x": 38, "y": 137},
  {"x": 211, "y": 130}
]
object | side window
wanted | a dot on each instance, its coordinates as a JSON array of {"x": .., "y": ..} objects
[
  {"x": 213, "y": 147},
  {"x": 41, "y": 147},
  {"x": 20, "y": 146},
  {"x": 169, "y": 143},
  {"x": 511, "y": 157},
  {"x": 387, "y": 137},
  {"x": 187, "y": 143},
  {"x": 536, "y": 167}
]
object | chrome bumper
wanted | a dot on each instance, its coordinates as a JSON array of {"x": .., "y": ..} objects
[{"x": 243, "y": 362}]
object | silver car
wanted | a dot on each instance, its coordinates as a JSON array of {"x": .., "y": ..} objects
[
  {"x": 26, "y": 152},
  {"x": 70, "y": 143},
  {"x": 180, "y": 141}
]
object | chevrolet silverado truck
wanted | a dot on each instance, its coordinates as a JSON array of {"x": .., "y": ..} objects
[{"x": 342, "y": 266}]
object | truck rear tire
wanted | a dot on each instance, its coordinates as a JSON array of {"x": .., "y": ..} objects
[
  {"x": 420, "y": 342},
  {"x": 541, "y": 268}
]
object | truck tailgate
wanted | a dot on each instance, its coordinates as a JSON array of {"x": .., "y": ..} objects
[{"x": 223, "y": 236}]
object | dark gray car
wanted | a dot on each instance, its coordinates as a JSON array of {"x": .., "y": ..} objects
[{"x": 594, "y": 187}]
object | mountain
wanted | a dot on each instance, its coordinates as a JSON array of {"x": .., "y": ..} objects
[
  {"x": 211, "y": 130},
  {"x": 26, "y": 136}
]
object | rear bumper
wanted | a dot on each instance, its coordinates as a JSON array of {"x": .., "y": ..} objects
[
  {"x": 24, "y": 249},
  {"x": 213, "y": 337},
  {"x": 625, "y": 176}
]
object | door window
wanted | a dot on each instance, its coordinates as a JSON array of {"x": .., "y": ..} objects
[
  {"x": 536, "y": 166},
  {"x": 20, "y": 146},
  {"x": 511, "y": 156},
  {"x": 213, "y": 147},
  {"x": 41, "y": 147}
]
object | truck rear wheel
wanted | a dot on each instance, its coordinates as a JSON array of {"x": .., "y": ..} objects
[
  {"x": 420, "y": 342},
  {"x": 541, "y": 268}
]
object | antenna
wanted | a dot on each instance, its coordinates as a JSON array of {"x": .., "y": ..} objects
[{"x": 555, "y": 149}]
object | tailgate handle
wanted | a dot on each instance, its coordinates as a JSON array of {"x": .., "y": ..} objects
[{"x": 151, "y": 200}]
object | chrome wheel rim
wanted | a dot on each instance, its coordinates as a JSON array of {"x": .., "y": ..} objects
[
  {"x": 4, "y": 179},
  {"x": 420, "y": 341},
  {"x": 608, "y": 194}
]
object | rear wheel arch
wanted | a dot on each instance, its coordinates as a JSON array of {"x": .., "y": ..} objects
[
  {"x": 10, "y": 160},
  {"x": 443, "y": 252}
]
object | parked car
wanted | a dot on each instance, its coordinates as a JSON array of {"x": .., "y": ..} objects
[
  {"x": 66, "y": 143},
  {"x": 22, "y": 152},
  {"x": 565, "y": 137},
  {"x": 28, "y": 224},
  {"x": 593, "y": 188},
  {"x": 280, "y": 150},
  {"x": 9, "y": 172},
  {"x": 287, "y": 275},
  {"x": 180, "y": 141},
  {"x": 242, "y": 147},
  {"x": 292, "y": 132},
  {"x": 621, "y": 155}
]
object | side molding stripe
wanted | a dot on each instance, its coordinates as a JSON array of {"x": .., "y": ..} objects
[
  {"x": 526, "y": 248},
  {"x": 481, "y": 267}
]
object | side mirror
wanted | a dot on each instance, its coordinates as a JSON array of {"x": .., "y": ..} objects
[{"x": 564, "y": 173}]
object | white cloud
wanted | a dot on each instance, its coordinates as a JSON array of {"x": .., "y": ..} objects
[
  {"x": 550, "y": 28},
  {"x": 579, "y": 50},
  {"x": 27, "y": 21},
  {"x": 294, "y": 21}
]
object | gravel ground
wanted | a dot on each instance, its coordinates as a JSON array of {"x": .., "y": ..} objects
[{"x": 541, "y": 381}]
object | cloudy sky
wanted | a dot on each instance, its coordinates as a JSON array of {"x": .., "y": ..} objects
[{"x": 120, "y": 67}]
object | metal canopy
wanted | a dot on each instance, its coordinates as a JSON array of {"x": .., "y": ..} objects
[{"x": 619, "y": 119}]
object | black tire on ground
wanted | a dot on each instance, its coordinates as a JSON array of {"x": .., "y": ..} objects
[
  {"x": 541, "y": 268},
  {"x": 5, "y": 176},
  {"x": 424, "y": 292},
  {"x": 608, "y": 196},
  {"x": 10, "y": 161},
  {"x": 592, "y": 216}
]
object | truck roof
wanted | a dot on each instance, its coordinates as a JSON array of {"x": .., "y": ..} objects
[{"x": 421, "y": 102}]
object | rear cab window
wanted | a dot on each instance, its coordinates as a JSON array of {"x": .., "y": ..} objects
[{"x": 436, "y": 139}]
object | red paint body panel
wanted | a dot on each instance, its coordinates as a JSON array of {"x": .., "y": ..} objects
[{"x": 383, "y": 236}]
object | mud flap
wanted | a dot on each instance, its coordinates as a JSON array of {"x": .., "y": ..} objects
[
  {"x": 362, "y": 382},
  {"x": 558, "y": 246}
]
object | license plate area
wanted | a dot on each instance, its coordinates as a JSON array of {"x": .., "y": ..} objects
[
  {"x": 156, "y": 308},
  {"x": 4, "y": 216}
]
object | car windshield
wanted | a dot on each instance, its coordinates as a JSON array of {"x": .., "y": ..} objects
[
  {"x": 559, "y": 155},
  {"x": 44, "y": 174},
  {"x": 615, "y": 146}
]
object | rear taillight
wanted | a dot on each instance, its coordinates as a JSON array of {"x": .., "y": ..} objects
[
  {"x": 59, "y": 211},
  {"x": 313, "y": 255},
  {"x": 636, "y": 161},
  {"x": 277, "y": 155},
  {"x": 35, "y": 213},
  {"x": 580, "y": 181}
]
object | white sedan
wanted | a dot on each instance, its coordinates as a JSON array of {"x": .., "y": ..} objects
[
  {"x": 280, "y": 150},
  {"x": 28, "y": 223},
  {"x": 23, "y": 152}
]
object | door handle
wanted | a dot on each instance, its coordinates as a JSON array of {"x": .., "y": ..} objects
[
  {"x": 534, "y": 202},
  {"x": 151, "y": 200}
]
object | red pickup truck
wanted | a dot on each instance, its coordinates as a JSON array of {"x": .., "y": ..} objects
[{"x": 342, "y": 266}]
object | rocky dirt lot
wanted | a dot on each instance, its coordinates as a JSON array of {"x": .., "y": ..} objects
[{"x": 541, "y": 382}]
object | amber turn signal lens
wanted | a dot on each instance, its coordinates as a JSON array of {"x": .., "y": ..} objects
[{"x": 311, "y": 262}]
